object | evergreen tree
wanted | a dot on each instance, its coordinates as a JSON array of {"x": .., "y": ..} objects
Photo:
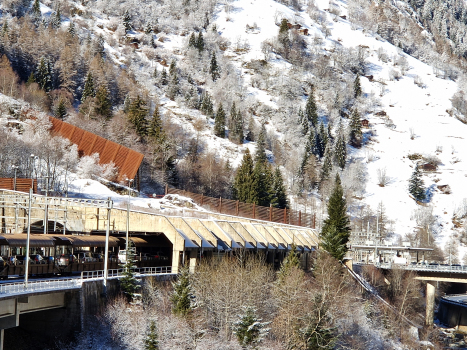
[
  {"x": 72, "y": 29},
  {"x": 60, "y": 111},
  {"x": 416, "y": 185},
  {"x": 317, "y": 334},
  {"x": 126, "y": 104},
  {"x": 214, "y": 68},
  {"x": 183, "y": 299},
  {"x": 206, "y": 104},
  {"x": 219, "y": 122},
  {"x": 31, "y": 79},
  {"x": 323, "y": 135},
  {"x": 126, "y": 18},
  {"x": 326, "y": 169},
  {"x": 357, "y": 87},
  {"x": 249, "y": 329},
  {"x": 155, "y": 73},
  {"x": 36, "y": 9},
  {"x": 236, "y": 125},
  {"x": 44, "y": 74},
  {"x": 284, "y": 35},
  {"x": 279, "y": 199},
  {"x": 103, "y": 106},
  {"x": 155, "y": 130},
  {"x": 284, "y": 28},
  {"x": 173, "y": 68},
  {"x": 260, "y": 156},
  {"x": 151, "y": 341},
  {"x": 137, "y": 116},
  {"x": 128, "y": 283},
  {"x": 340, "y": 148},
  {"x": 355, "y": 129},
  {"x": 336, "y": 231},
  {"x": 262, "y": 183},
  {"x": 172, "y": 172},
  {"x": 174, "y": 87},
  {"x": 56, "y": 19},
  {"x": 200, "y": 42},
  {"x": 243, "y": 181},
  {"x": 318, "y": 147},
  {"x": 311, "y": 111},
  {"x": 88, "y": 87},
  {"x": 148, "y": 28},
  {"x": 303, "y": 121},
  {"x": 164, "y": 77},
  {"x": 192, "y": 40}
]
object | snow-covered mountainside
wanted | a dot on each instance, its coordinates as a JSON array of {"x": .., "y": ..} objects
[{"x": 406, "y": 99}]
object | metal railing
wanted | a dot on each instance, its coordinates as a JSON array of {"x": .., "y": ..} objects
[
  {"x": 17, "y": 288},
  {"x": 39, "y": 286},
  {"x": 138, "y": 272},
  {"x": 424, "y": 267}
]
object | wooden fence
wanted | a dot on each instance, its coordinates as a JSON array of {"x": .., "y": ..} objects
[
  {"x": 22, "y": 185},
  {"x": 248, "y": 210}
]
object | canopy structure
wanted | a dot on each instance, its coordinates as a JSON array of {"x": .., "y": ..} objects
[{"x": 19, "y": 240}]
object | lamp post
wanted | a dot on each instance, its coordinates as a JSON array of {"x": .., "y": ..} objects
[
  {"x": 27, "y": 242},
  {"x": 15, "y": 168},
  {"x": 128, "y": 217},
  {"x": 32, "y": 162}
]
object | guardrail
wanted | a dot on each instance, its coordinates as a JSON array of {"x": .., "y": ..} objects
[
  {"x": 138, "y": 272},
  {"x": 424, "y": 267},
  {"x": 39, "y": 286}
]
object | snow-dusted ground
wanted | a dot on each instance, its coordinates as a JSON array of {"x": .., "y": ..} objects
[{"x": 410, "y": 107}]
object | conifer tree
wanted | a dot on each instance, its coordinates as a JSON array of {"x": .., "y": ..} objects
[
  {"x": 311, "y": 111},
  {"x": 357, "y": 87},
  {"x": 249, "y": 329},
  {"x": 336, "y": 231},
  {"x": 262, "y": 183},
  {"x": 155, "y": 130},
  {"x": 44, "y": 74},
  {"x": 192, "y": 40},
  {"x": 200, "y": 42},
  {"x": 279, "y": 199},
  {"x": 174, "y": 87},
  {"x": 137, "y": 113},
  {"x": 36, "y": 9},
  {"x": 173, "y": 68},
  {"x": 260, "y": 155},
  {"x": 219, "y": 122},
  {"x": 206, "y": 104},
  {"x": 103, "y": 106},
  {"x": 126, "y": 18},
  {"x": 355, "y": 129},
  {"x": 72, "y": 29},
  {"x": 340, "y": 148},
  {"x": 60, "y": 111},
  {"x": 88, "y": 87},
  {"x": 236, "y": 125},
  {"x": 183, "y": 299},
  {"x": 151, "y": 341},
  {"x": 148, "y": 28},
  {"x": 243, "y": 181},
  {"x": 164, "y": 77},
  {"x": 323, "y": 135},
  {"x": 31, "y": 79},
  {"x": 155, "y": 73},
  {"x": 284, "y": 35},
  {"x": 326, "y": 169},
  {"x": 214, "y": 68},
  {"x": 416, "y": 185},
  {"x": 56, "y": 19},
  {"x": 303, "y": 121},
  {"x": 128, "y": 283}
]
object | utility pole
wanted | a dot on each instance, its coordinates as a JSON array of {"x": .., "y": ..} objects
[
  {"x": 26, "y": 266},
  {"x": 106, "y": 254},
  {"x": 128, "y": 218}
]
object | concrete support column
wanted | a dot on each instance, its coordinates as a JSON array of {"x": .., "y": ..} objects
[
  {"x": 430, "y": 302},
  {"x": 193, "y": 255},
  {"x": 175, "y": 261},
  {"x": 2, "y": 337}
]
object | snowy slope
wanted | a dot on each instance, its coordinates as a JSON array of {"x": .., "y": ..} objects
[{"x": 409, "y": 107}]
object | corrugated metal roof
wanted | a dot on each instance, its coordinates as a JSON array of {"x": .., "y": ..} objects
[
  {"x": 127, "y": 160},
  {"x": 90, "y": 241},
  {"x": 19, "y": 240}
]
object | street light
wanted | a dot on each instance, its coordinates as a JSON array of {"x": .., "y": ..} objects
[
  {"x": 15, "y": 168},
  {"x": 128, "y": 217},
  {"x": 32, "y": 161}
]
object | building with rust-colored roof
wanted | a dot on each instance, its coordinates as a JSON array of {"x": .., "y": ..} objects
[{"x": 126, "y": 160}]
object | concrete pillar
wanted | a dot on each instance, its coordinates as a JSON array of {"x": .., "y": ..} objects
[
  {"x": 2, "y": 337},
  {"x": 175, "y": 261},
  {"x": 193, "y": 255},
  {"x": 430, "y": 302}
]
